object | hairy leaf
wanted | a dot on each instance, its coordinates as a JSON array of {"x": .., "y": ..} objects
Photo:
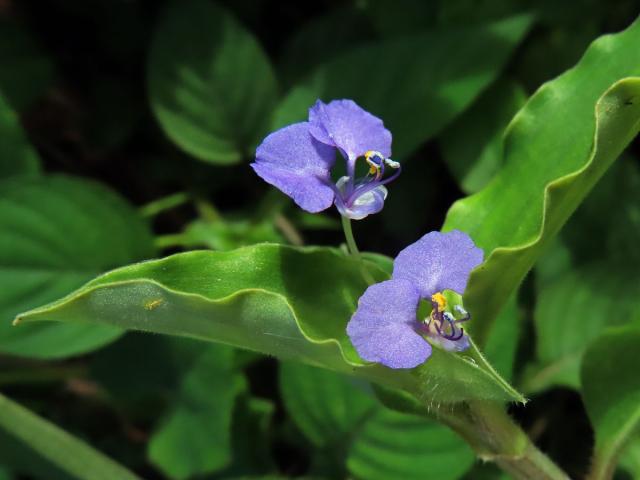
[{"x": 288, "y": 302}]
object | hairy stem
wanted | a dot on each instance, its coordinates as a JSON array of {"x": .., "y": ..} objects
[{"x": 495, "y": 437}]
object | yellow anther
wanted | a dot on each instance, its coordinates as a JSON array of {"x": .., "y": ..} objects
[{"x": 440, "y": 300}]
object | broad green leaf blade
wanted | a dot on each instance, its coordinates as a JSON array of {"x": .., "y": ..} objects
[
  {"x": 341, "y": 419},
  {"x": 611, "y": 393},
  {"x": 472, "y": 145},
  {"x": 327, "y": 407},
  {"x": 17, "y": 156},
  {"x": 57, "y": 446},
  {"x": 431, "y": 77},
  {"x": 55, "y": 234},
  {"x": 572, "y": 310},
  {"x": 194, "y": 438},
  {"x": 211, "y": 86},
  {"x": 396, "y": 445},
  {"x": 289, "y": 302},
  {"x": 555, "y": 151},
  {"x": 26, "y": 70}
]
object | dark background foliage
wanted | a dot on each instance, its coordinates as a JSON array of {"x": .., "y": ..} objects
[{"x": 76, "y": 72}]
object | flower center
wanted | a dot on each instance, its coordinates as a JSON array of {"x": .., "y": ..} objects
[
  {"x": 442, "y": 322},
  {"x": 359, "y": 197}
]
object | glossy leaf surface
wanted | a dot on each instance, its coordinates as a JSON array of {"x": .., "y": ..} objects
[{"x": 555, "y": 151}]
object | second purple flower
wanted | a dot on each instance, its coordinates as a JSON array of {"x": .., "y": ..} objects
[{"x": 298, "y": 160}]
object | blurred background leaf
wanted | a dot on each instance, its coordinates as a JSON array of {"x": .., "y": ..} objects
[
  {"x": 17, "y": 156},
  {"x": 611, "y": 393},
  {"x": 26, "y": 70},
  {"x": 340, "y": 417},
  {"x": 55, "y": 234},
  {"x": 210, "y": 84}
]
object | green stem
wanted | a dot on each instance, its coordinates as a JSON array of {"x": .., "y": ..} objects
[
  {"x": 348, "y": 235},
  {"x": 495, "y": 437},
  {"x": 353, "y": 250},
  {"x": 155, "y": 207}
]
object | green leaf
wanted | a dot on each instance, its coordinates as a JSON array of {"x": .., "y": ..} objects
[
  {"x": 317, "y": 40},
  {"x": 17, "y": 156},
  {"x": 433, "y": 76},
  {"x": 327, "y": 407},
  {"x": 396, "y": 445},
  {"x": 26, "y": 71},
  {"x": 611, "y": 393},
  {"x": 571, "y": 311},
  {"x": 342, "y": 418},
  {"x": 57, "y": 446},
  {"x": 584, "y": 276},
  {"x": 555, "y": 151},
  {"x": 56, "y": 233},
  {"x": 194, "y": 438},
  {"x": 290, "y": 302},
  {"x": 211, "y": 86},
  {"x": 502, "y": 345},
  {"x": 478, "y": 158}
]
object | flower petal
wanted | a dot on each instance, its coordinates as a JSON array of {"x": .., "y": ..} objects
[
  {"x": 366, "y": 204},
  {"x": 438, "y": 261},
  {"x": 382, "y": 329},
  {"x": 343, "y": 124},
  {"x": 291, "y": 160}
]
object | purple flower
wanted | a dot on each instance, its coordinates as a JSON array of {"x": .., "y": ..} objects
[
  {"x": 386, "y": 328},
  {"x": 298, "y": 160}
]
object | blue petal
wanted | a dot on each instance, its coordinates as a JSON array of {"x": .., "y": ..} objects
[
  {"x": 438, "y": 261},
  {"x": 383, "y": 328},
  {"x": 291, "y": 160},
  {"x": 343, "y": 124}
]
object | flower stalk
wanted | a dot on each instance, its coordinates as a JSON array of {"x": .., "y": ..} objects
[
  {"x": 353, "y": 249},
  {"x": 495, "y": 437}
]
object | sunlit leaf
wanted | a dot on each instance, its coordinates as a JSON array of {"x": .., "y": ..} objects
[
  {"x": 555, "y": 151},
  {"x": 289, "y": 302}
]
